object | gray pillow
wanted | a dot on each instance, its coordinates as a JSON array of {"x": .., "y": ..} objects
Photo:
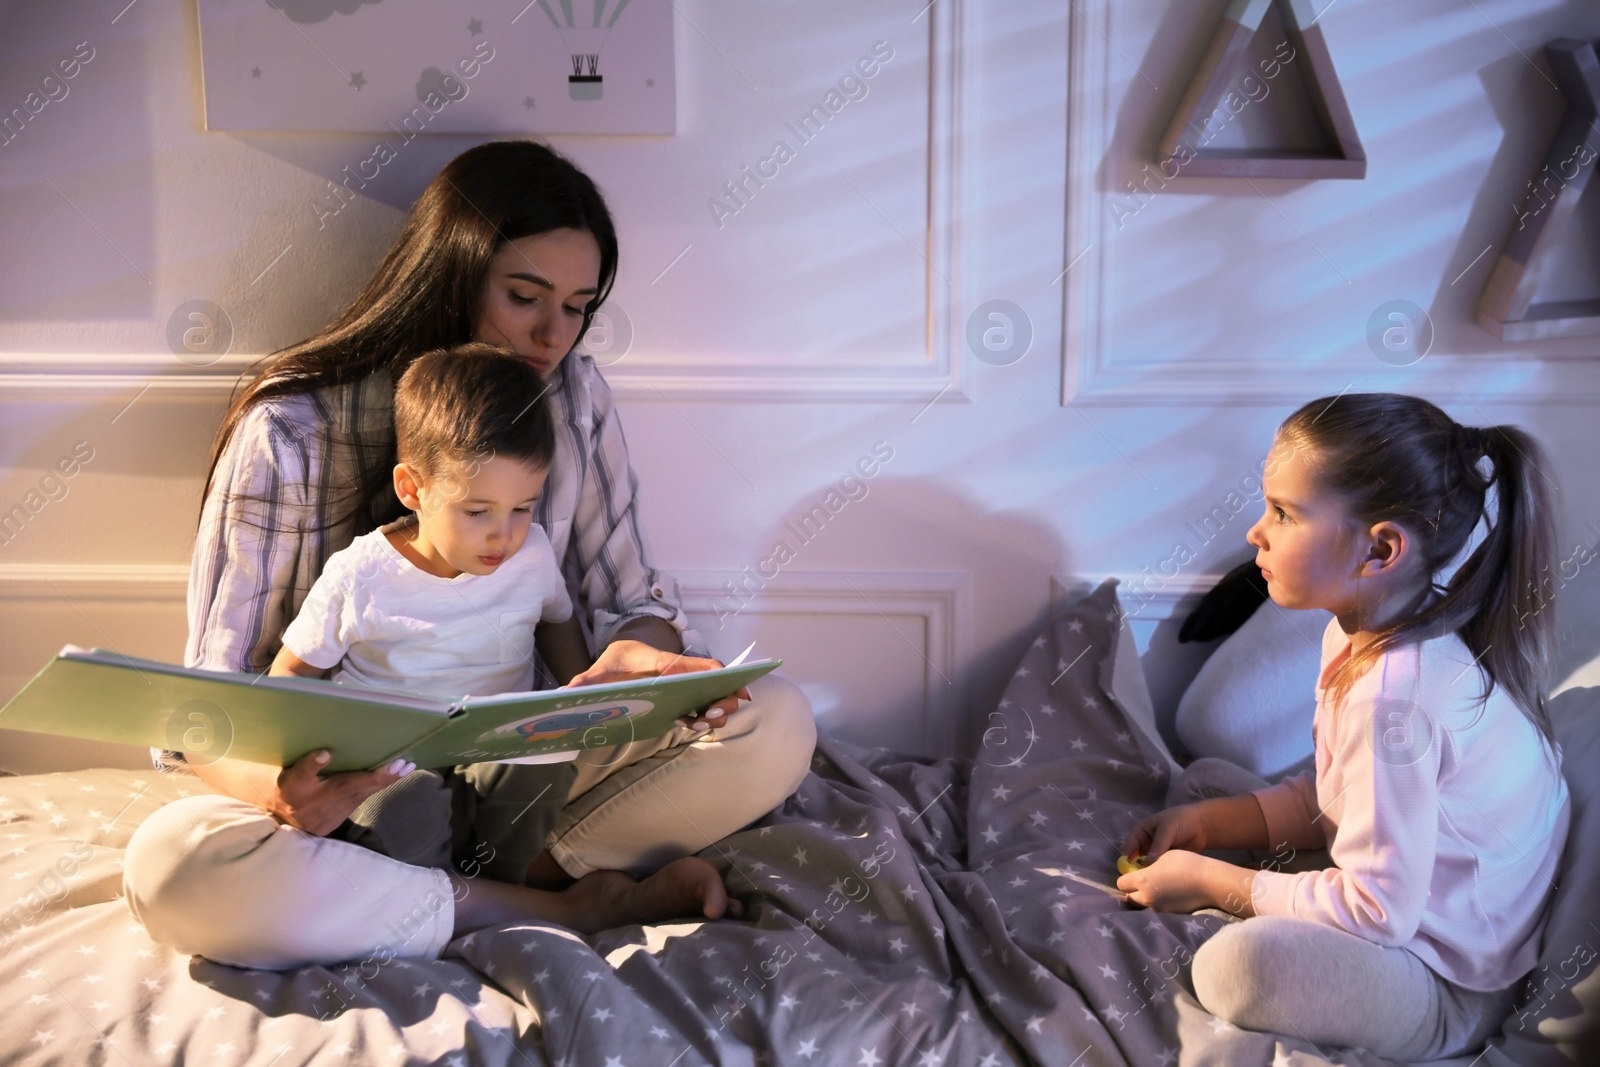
[
  {"x": 1253, "y": 701},
  {"x": 1557, "y": 1016},
  {"x": 1556, "y": 1020}
]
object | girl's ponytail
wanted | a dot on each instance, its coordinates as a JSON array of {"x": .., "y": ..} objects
[{"x": 1508, "y": 576}]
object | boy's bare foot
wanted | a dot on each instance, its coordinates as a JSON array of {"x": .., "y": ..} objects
[
  {"x": 685, "y": 887},
  {"x": 597, "y": 901}
]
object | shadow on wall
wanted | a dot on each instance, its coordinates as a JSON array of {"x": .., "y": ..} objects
[
  {"x": 1169, "y": 667},
  {"x": 69, "y": 471},
  {"x": 1529, "y": 108},
  {"x": 886, "y": 527},
  {"x": 1519, "y": 88},
  {"x": 77, "y": 175}
]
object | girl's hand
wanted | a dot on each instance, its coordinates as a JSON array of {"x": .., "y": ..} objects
[
  {"x": 625, "y": 660},
  {"x": 302, "y": 798},
  {"x": 1175, "y": 882},
  {"x": 1184, "y": 881},
  {"x": 1182, "y": 827}
]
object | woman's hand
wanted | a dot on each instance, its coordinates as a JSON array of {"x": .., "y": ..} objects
[
  {"x": 299, "y": 795},
  {"x": 625, "y": 660},
  {"x": 318, "y": 805},
  {"x": 1185, "y": 881},
  {"x": 1182, "y": 827}
]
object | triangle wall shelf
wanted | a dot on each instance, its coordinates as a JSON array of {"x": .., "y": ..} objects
[
  {"x": 1507, "y": 307},
  {"x": 1210, "y": 97}
]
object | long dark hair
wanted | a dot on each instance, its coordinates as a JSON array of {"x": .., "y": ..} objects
[
  {"x": 426, "y": 292},
  {"x": 1401, "y": 459}
]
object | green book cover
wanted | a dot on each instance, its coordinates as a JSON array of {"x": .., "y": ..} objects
[{"x": 211, "y": 715}]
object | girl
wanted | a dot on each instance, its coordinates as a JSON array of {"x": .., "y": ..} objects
[
  {"x": 513, "y": 245},
  {"x": 1437, "y": 789}
]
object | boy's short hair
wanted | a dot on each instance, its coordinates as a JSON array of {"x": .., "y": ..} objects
[{"x": 474, "y": 401}]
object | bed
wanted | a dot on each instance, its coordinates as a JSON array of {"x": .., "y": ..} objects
[{"x": 898, "y": 911}]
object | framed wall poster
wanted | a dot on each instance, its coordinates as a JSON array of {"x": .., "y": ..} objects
[{"x": 410, "y": 66}]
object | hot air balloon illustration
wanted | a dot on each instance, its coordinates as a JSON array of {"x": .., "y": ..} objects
[{"x": 585, "y": 38}]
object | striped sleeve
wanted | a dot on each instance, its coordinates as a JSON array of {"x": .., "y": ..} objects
[
  {"x": 616, "y": 581},
  {"x": 250, "y": 546},
  {"x": 252, "y": 535}
]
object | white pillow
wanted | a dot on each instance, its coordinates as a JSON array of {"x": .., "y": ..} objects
[{"x": 1253, "y": 701}]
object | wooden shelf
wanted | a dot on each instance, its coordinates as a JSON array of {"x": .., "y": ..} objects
[
  {"x": 1209, "y": 93},
  {"x": 1506, "y": 308}
]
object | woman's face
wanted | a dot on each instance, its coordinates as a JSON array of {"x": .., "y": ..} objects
[{"x": 537, "y": 290}]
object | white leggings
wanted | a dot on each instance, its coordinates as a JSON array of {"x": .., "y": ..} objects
[{"x": 218, "y": 877}]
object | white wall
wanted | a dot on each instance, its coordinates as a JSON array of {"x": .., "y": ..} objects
[{"x": 826, "y": 315}]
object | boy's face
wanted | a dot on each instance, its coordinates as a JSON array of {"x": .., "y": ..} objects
[{"x": 472, "y": 518}]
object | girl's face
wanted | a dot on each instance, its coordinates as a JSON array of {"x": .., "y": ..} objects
[
  {"x": 535, "y": 295},
  {"x": 1307, "y": 545}
]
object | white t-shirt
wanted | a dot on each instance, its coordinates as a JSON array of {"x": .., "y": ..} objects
[{"x": 381, "y": 620}]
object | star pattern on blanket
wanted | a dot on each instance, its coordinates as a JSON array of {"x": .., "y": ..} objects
[{"x": 897, "y": 911}]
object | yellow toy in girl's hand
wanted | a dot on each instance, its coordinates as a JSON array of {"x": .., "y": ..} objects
[{"x": 1129, "y": 864}]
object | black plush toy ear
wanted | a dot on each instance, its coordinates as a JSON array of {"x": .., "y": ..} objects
[{"x": 1226, "y": 607}]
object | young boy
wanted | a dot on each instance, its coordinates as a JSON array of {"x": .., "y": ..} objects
[{"x": 453, "y": 600}]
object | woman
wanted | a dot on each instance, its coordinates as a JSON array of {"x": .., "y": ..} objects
[{"x": 513, "y": 245}]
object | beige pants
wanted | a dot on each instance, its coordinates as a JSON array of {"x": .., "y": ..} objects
[{"x": 218, "y": 877}]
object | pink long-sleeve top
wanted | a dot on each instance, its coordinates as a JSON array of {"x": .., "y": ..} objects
[{"x": 1445, "y": 817}]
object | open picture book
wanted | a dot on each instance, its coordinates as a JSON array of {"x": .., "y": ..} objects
[{"x": 211, "y": 715}]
